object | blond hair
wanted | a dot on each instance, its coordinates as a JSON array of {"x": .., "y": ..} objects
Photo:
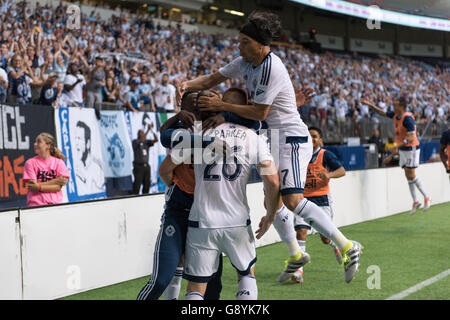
[{"x": 51, "y": 141}]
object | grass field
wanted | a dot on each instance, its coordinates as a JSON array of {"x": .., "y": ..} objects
[{"x": 407, "y": 250}]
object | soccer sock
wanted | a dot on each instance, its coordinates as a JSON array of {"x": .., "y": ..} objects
[
  {"x": 284, "y": 224},
  {"x": 247, "y": 289},
  {"x": 193, "y": 296},
  {"x": 302, "y": 245},
  {"x": 412, "y": 189},
  {"x": 319, "y": 220},
  {"x": 173, "y": 289},
  {"x": 419, "y": 186}
]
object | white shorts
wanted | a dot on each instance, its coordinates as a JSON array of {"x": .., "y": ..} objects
[
  {"x": 300, "y": 223},
  {"x": 409, "y": 158},
  {"x": 204, "y": 246},
  {"x": 294, "y": 158}
]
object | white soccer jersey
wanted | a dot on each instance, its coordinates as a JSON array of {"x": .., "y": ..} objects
[
  {"x": 270, "y": 84},
  {"x": 220, "y": 199}
]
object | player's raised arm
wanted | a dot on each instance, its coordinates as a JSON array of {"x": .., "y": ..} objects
[
  {"x": 374, "y": 107},
  {"x": 201, "y": 83},
  {"x": 252, "y": 112}
]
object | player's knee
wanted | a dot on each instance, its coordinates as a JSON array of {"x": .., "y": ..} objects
[
  {"x": 302, "y": 234},
  {"x": 292, "y": 200}
]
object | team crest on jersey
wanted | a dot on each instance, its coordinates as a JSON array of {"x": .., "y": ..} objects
[{"x": 170, "y": 231}]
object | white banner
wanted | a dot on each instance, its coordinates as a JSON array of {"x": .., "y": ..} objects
[{"x": 116, "y": 145}]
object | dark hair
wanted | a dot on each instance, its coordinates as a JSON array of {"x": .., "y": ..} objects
[
  {"x": 266, "y": 22},
  {"x": 316, "y": 129}
]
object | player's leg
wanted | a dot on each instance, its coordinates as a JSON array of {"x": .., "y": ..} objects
[
  {"x": 247, "y": 287},
  {"x": 172, "y": 291},
  {"x": 293, "y": 199},
  {"x": 415, "y": 155},
  {"x": 301, "y": 229},
  {"x": 284, "y": 225},
  {"x": 239, "y": 245},
  {"x": 329, "y": 210},
  {"x": 214, "y": 287},
  {"x": 168, "y": 250},
  {"x": 201, "y": 260}
]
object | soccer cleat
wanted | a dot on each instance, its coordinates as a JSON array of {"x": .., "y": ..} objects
[
  {"x": 337, "y": 252},
  {"x": 416, "y": 205},
  {"x": 351, "y": 261},
  {"x": 292, "y": 265},
  {"x": 298, "y": 276},
  {"x": 427, "y": 204}
]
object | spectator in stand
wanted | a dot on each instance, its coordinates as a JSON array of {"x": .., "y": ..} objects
[
  {"x": 49, "y": 91},
  {"x": 73, "y": 86},
  {"x": 3, "y": 85},
  {"x": 165, "y": 95},
  {"x": 111, "y": 91},
  {"x": 95, "y": 81},
  {"x": 132, "y": 97},
  {"x": 145, "y": 91},
  {"x": 19, "y": 81}
]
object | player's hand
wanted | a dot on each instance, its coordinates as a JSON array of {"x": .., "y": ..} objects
[
  {"x": 187, "y": 118},
  {"x": 264, "y": 225},
  {"x": 213, "y": 122},
  {"x": 210, "y": 103},
  {"x": 181, "y": 89},
  {"x": 323, "y": 175}
]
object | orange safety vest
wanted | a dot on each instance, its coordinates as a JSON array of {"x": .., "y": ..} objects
[
  {"x": 401, "y": 133},
  {"x": 314, "y": 185},
  {"x": 448, "y": 155},
  {"x": 184, "y": 178}
]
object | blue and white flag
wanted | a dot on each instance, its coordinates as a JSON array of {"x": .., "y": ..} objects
[{"x": 116, "y": 145}]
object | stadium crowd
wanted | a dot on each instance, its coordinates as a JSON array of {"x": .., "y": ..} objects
[{"x": 135, "y": 64}]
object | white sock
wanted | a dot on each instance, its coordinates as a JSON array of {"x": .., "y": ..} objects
[
  {"x": 319, "y": 220},
  {"x": 412, "y": 189},
  {"x": 193, "y": 296},
  {"x": 173, "y": 289},
  {"x": 419, "y": 186},
  {"x": 284, "y": 224},
  {"x": 302, "y": 245},
  {"x": 247, "y": 289}
]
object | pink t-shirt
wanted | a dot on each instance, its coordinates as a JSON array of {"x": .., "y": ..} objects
[{"x": 44, "y": 170}]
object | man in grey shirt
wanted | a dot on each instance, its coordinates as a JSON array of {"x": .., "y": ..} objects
[{"x": 96, "y": 80}]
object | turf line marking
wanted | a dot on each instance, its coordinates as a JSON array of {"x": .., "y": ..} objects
[{"x": 419, "y": 286}]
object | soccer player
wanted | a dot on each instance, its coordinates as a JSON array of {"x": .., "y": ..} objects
[
  {"x": 219, "y": 221},
  {"x": 407, "y": 146},
  {"x": 274, "y": 100},
  {"x": 171, "y": 241},
  {"x": 323, "y": 166},
  {"x": 444, "y": 151}
]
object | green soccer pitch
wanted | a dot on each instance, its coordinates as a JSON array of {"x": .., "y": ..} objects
[{"x": 404, "y": 256}]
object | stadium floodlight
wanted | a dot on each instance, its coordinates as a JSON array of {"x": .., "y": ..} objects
[
  {"x": 382, "y": 15},
  {"x": 234, "y": 12}
]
